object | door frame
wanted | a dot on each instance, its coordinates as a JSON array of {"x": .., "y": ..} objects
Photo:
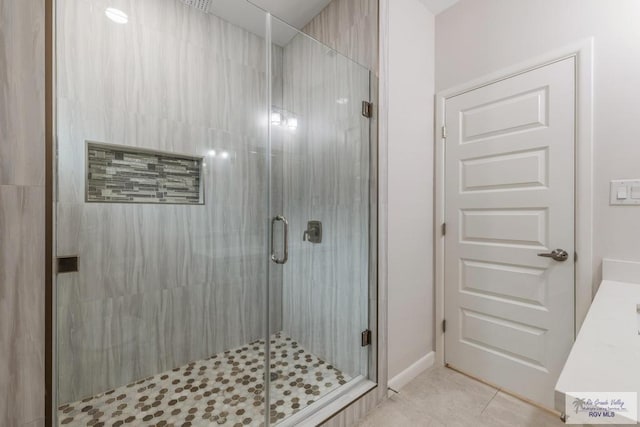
[{"x": 583, "y": 53}]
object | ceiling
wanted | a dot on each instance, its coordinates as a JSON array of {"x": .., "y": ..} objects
[
  {"x": 294, "y": 12},
  {"x": 437, "y": 6},
  {"x": 244, "y": 14}
]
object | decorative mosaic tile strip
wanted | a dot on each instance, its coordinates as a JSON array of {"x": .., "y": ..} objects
[
  {"x": 118, "y": 174},
  {"x": 225, "y": 389}
]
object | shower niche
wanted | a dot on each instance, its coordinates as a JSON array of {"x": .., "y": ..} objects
[
  {"x": 177, "y": 314},
  {"x": 120, "y": 174}
]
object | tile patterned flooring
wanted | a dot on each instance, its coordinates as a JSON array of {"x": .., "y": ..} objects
[
  {"x": 444, "y": 397},
  {"x": 225, "y": 389}
]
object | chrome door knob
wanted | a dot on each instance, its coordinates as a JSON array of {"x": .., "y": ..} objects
[{"x": 557, "y": 255}]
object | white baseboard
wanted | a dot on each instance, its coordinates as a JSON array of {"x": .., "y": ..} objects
[{"x": 405, "y": 377}]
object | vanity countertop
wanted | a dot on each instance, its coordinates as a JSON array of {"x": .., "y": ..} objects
[{"x": 606, "y": 353}]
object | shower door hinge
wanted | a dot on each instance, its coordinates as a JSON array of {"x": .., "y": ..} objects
[
  {"x": 444, "y": 228},
  {"x": 367, "y": 109},
  {"x": 575, "y": 257},
  {"x": 444, "y": 132},
  {"x": 444, "y": 325},
  {"x": 366, "y": 338}
]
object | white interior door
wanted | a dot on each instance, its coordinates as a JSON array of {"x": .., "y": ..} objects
[{"x": 509, "y": 182}]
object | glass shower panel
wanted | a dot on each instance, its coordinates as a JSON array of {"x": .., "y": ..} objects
[
  {"x": 162, "y": 195},
  {"x": 320, "y": 185}
]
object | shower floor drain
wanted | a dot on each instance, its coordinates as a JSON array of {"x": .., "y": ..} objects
[{"x": 225, "y": 389}]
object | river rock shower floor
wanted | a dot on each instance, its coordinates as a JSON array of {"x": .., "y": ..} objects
[{"x": 225, "y": 389}]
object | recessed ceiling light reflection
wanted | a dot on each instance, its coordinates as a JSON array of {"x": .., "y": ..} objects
[
  {"x": 276, "y": 119},
  {"x": 212, "y": 153},
  {"x": 292, "y": 123},
  {"x": 116, "y": 15},
  {"x": 342, "y": 101},
  {"x": 224, "y": 155}
]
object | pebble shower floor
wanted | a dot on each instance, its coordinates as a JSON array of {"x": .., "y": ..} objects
[{"x": 225, "y": 389}]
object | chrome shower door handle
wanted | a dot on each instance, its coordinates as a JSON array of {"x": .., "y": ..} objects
[
  {"x": 285, "y": 255},
  {"x": 557, "y": 255}
]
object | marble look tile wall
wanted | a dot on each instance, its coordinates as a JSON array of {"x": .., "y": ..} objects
[
  {"x": 351, "y": 28},
  {"x": 22, "y": 200},
  {"x": 21, "y": 304},
  {"x": 326, "y": 178},
  {"x": 363, "y": 406},
  {"x": 22, "y": 92},
  {"x": 159, "y": 286}
]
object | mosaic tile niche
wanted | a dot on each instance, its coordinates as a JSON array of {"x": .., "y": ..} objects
[{"x": 117, "y": 174}]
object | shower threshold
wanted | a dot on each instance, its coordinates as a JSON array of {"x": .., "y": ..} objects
[{"x": 225, "y": 389}]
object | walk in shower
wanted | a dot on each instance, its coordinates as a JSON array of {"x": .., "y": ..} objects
[{"x": 214, "y": 202}]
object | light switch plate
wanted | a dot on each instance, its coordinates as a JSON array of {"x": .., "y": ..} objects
[{"x": 625, "y": 192}]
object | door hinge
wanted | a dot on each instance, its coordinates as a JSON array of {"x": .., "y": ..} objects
[
  {"x": 367, "y": 109},
  {"x": 444, "y": 325},
  {"x": 444, "y": 228},
  {"x": 366, "y": 338},
  {"x": 444, "y": 132},
  {"x": 575, "y": 257}
]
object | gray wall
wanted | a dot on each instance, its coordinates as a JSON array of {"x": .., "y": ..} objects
[
  {"x": 159, "y": 286},
  {"x": 22, "y": 179}
]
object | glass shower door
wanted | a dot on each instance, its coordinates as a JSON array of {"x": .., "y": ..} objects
[
  {"x": 320, "y": 183},
  {"x": 187, "y": 133},
  {"x": 161, "y": 212}
]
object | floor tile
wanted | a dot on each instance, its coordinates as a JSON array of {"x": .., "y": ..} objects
[
  {"x": 506, "y": 410},
  {"x": 444, "y": 397},
  {"x": 398, "y": 411},
  {"x": 448, "y": 395},
  {"x": 225, "y": 389}
]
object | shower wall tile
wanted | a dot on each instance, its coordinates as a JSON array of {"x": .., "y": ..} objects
[
  {"x": 368, "y": 402},
  {"x": 22, "y": 234},
  {"x": 350, "y": 27},
  {"x": 326, "y": 177},
  {"x": 121, "y": 245},
  {"x": 21, "y": 304},
  {"x": 277, "y": 64},
  {"x": 157, "y": 73},
  {"x": 186, "y": 24},
  {"x": 136, "y": 336},
  {"x": 36, "y": 423},
  {"x": 21, "y": 93},
  {"x": 160, "y": 286}
]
